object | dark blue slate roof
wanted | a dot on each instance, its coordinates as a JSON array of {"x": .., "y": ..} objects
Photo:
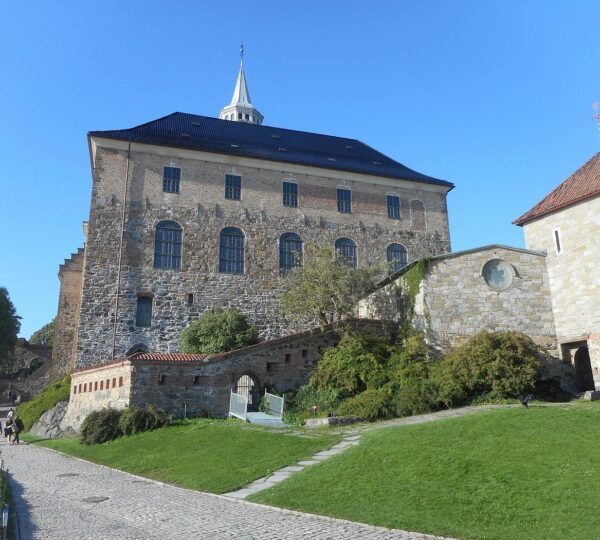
[{"x": 195, "y": 132}]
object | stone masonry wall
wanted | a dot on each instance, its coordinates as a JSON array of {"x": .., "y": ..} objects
[
  {"x": 573, "y": 277},
  {"x": 203, "y": 386},
  {"x": 454, "y": 302},
  {"x": 202, "y": 211},
  {"x": 69, "y": 301},
  {"x": 95, "y": 388}
]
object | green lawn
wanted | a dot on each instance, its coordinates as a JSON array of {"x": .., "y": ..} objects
[
  {"x": 208, "y": 455},
  {"x": 505, "y": 474}
]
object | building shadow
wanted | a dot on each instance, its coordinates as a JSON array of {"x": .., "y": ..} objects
[{"x": 20, "y": 523}]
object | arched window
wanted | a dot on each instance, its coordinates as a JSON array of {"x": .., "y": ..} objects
[
  {"x": 290, "y": 252},
  {"x": 347, "y": 249},
  {"x": 397, "y": 256},
  {"x": 231, "y": 253},
  {"x": 167, "y": 247}
]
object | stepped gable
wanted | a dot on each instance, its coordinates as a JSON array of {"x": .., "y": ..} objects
[
  {"x": 74, "y": 263},
  {"x": 182, "y": 130},
  {"x": 583, "y": 184}
]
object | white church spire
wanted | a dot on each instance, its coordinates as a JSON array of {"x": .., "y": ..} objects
[{"x": 241, "y": 109}]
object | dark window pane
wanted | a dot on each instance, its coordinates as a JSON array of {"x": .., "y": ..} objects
[
  {"x": 290, "y": 194},
  {"x": 167, "y": 246},
  {"x": 344, "y": 200},
  {"x": 233, "y": 187},
  {"x": 397, "y": 256},
  {"x": 171, "y": 177},
  {"x": 143, "y": 316},
  {"x": 290, "y": 251},
  {"x": 347, "y": 249},
  {"x": 231, "y": 252},
  {"x": 393, "y": 206}
]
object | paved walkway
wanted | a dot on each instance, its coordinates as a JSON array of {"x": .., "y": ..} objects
[{"x": 60, "y": 497}]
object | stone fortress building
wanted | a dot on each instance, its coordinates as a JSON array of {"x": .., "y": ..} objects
[{"x": 190, "y": 213}]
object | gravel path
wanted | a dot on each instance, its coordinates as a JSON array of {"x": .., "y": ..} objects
[{"x": 63, "y": 497}]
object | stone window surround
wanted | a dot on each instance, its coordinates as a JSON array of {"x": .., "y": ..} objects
[
  {"x": 512, "y": 268},
  {"x": 157, "y": 222},
  {"x": 174, "y": 188},
  {"x": 290, "y": 180}
]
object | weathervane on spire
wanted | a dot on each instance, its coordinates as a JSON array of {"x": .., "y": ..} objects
[{"x": 242, "y": 51}]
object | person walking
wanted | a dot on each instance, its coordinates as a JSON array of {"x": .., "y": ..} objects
[{"x": 17, "y": 428}]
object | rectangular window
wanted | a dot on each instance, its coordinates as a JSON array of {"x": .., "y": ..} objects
[
  {"x": 162, "y": 379},
  {"x": 304, "y": 353},
  {"x": 84, "y": 387},
  {"x": 171, "y": 177},
  {"x": 143, "y": 316},
  {"x": 233, "y": 187},
  {"x": 107, "y": 384},
  {"x": 290, "y": 194},
  {"x": 393, "y": 206},
  {"x": 75, "y": 389},
  {"x": 95, "y": 386},
  {"x": 344, "y": 200},
  {"x": 288, "y": 357},
  {"x": 189, "y": 298},
  {"x": 114, "y": 382},
  {"x": 196, "y": 380},
  {"x": 120, "y": 381},
  {"x": 102, "y": 385},
  {"x": 557, "y": 241}
]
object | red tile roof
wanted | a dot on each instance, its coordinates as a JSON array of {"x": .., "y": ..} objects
[
  {"x": 167, "y": 357},
  {"x": 581, "y": 185}
]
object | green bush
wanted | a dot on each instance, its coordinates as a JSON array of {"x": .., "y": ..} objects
[
  {"x": 298, "y": 405},
  {"x": 358, "y": 363},
  {"x": 490, "y": 366},
  {"x": 31, "y": 411},
  {"x": 220, "y": 331},
  {"x": 100, "y": 426},
  {"x": 136, "y": 420},
  {"x": 371, "y": 404}
]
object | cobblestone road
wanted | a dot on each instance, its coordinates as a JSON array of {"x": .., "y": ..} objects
[{"x": 55, "y": 497}]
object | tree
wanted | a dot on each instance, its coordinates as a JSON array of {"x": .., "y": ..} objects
[
  {"x": 325, "y": 288},
  {"x": 9, "y": 326},
  {"x": 220, "y": 331},
  {"x": 45, "y": 335}
]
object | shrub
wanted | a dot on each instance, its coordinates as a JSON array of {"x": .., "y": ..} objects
[
  {"x": 358, "y": 363},
  {"x": 136, "y": 420},
  {"x": 220, "y": 331},
  {"x": 491, "y": 365},
  {"x": 371, "y": 404},
  {"x": 298, "y": 405},
  {"x": 100, "y": 426}
]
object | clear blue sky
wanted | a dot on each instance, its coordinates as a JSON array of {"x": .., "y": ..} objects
[{"x": 493, "y": 96}]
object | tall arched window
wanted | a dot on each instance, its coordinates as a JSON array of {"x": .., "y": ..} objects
[
  {"x": 290, "y": 251},
  {"x": 167, "y": 247},
  {"x": 347, "y": 249},
  {"x": 231, "y": 253},
  {"x": 397, "y": 256}
]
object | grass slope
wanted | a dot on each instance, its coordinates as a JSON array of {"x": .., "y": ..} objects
[
  {"x": 31, "y": 411},
  {"x": 207, "y": 455},
  {"x": 511, "y": 473}
]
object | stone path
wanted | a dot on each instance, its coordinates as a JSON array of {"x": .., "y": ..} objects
[
  {"x": 60, "y": 497},
  {"x": 351, "y": 438}
]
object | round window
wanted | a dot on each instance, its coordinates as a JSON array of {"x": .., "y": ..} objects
[{"x": 498, "y": 274}]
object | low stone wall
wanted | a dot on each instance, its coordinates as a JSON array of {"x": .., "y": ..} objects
[{"x": 193, "y": 384}]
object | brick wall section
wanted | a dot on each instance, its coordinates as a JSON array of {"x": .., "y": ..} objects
[
  {"x": 69, "y": 302},
  {"x": 573, "y": 275},
  {"x": 201, "y": 209},
  {"x": 454, "y": 302},
  {"x": 204, "y": 386}
]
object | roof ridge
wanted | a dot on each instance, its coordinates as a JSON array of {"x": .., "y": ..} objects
[{"x": 548, "y": 204}]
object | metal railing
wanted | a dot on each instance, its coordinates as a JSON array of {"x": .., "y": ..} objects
[
  {"x": 274, "y": 404},
  {"x": 238, "y": 405},
  {"x": 5, "y": 508}
]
